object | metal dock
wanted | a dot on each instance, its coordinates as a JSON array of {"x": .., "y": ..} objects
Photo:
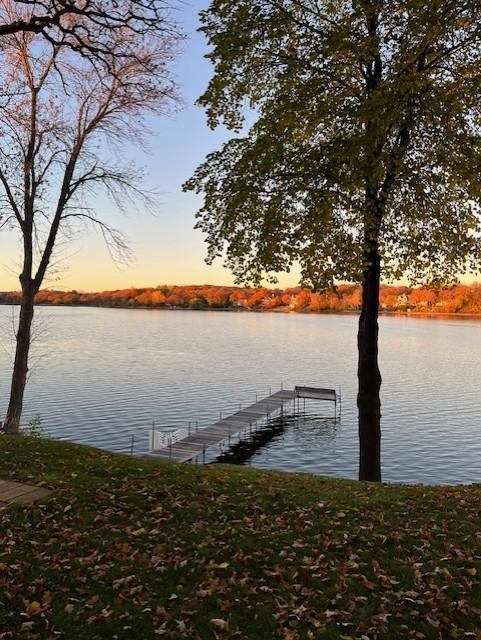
[{"x": 186, "y": 445}]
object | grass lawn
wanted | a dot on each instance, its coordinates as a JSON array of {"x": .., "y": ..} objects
[{"x": 133, "y": 549}]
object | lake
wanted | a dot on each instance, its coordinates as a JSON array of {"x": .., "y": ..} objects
[{"x": 99, "y": 376}]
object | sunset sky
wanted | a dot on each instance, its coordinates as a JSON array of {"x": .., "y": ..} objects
[{"x": 166, "y": 247}]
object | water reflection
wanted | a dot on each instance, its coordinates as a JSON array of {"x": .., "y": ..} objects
[{"x": 313, "y": 428}]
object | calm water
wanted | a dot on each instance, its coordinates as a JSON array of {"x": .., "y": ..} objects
[{"x": 100, "y": 375}]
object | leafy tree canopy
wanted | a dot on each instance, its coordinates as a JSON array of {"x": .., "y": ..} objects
[{"x": 354, "y": 102}]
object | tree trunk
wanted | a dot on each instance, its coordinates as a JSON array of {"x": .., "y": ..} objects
[
  {"x": 369, "y": 376},
  {"x": 20, "y": 367}
]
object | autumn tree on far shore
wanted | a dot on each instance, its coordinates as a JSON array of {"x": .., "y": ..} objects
[
  {"x": 364, "y": 154},
  {"x": 63, "y": 122},
  {"x": 435, "y": 301}
]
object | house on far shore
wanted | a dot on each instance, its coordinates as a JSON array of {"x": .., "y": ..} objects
[{"x": 240, "y": 303}]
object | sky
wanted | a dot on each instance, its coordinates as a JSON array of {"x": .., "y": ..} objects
[{"x": 166, "y": 248}]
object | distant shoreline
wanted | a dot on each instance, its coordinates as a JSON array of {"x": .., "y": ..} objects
[
  {"x": 453, "y": 300},
  {"x": 276, "y": 310}
]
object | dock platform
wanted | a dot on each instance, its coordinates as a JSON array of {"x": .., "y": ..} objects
[{"x": 187, "y": 445}]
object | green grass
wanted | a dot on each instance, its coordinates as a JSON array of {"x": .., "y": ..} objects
[{"x": 133, "y": 549}]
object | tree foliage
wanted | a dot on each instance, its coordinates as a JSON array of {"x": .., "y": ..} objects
[
  {"x": 90, "y": 27},
  {"x": 60, "y": 123},
  {"x": 346, "y": 97},
  {"x": 455, "y": 298}
]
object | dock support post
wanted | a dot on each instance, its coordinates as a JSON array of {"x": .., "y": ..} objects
[
  {"x": 152, "y": 437},
  {"x": 203, "y": 454},
  {"x": 170, "y": 448},
  {"x": 132, "y": 445}
]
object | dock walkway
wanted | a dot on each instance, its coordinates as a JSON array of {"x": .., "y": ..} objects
[
  {"x": 175, "y": 448},
  {"x": 186, "y": 445}
]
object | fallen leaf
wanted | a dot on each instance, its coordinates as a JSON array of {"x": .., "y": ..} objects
[
  {"x": 33, "y": 608},
  {"x": 219, "y": 623}
]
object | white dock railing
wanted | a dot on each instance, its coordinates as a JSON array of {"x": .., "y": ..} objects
[{"x": 165, "y": 439}]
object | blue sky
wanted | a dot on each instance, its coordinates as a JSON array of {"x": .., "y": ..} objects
[{"x": 166, "y": 247}]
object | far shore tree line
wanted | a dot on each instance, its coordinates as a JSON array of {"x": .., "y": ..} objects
[{"x": 457, "y": 298}]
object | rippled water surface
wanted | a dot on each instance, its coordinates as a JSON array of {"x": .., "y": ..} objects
[{"x": 100, "y": 376}]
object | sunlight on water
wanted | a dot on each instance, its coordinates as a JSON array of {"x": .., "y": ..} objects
[{"x": 100, "y": 376}]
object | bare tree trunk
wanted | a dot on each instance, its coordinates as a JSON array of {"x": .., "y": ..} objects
[
  {"x": 369, "y": 376},
  {"x": 20, "y": 367}
]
